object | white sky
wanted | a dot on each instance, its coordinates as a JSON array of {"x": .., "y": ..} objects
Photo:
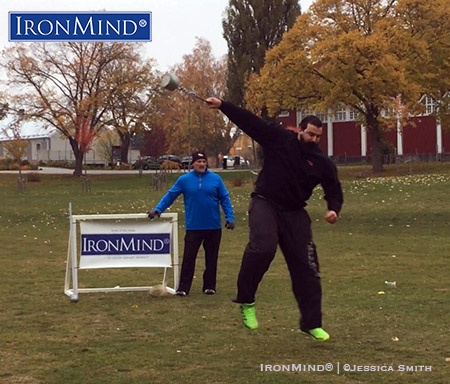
[{"x": 175, "y": 23}]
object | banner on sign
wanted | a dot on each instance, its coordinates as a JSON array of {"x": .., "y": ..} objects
[{"x": 123, "y": 244}]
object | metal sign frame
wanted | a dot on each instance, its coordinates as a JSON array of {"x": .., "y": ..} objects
[{"x": 71, "y": 287}]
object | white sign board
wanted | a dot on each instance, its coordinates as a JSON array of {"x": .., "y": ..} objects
[
  {"x": 125, "y": 244},
  {"x": 121, "y": 241}
]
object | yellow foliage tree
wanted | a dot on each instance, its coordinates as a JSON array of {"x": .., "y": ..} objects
[
  {"x": 359, "y": 53},
  {"x": 189, "y": 124}
]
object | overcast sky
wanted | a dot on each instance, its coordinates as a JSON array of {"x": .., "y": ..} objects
[{"x": 175, "y": 23}]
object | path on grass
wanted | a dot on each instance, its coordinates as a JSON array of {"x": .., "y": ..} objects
[{"x": 65, "y": 171}]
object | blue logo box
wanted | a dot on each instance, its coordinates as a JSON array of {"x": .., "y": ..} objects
[
  {"x": 80, "y": 26},
  {"x": 125, "y": 244}
]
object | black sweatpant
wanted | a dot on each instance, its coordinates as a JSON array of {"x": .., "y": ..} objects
[
  {"x": 211, "y": 242},
  {"x": 291, "y": 230}
]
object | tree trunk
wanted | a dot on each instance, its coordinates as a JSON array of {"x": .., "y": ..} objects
[
  {"x": 125, "y": 145},
  {"x": 125, "y": 140},
  {"x": 375, "y": 140},
  {"x": 78, "y": 171}
]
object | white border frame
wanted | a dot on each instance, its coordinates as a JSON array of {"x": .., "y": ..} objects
[{"x": 72, "y": 264}]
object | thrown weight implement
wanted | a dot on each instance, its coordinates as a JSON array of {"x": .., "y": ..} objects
[{"x": 171, "y": 82}]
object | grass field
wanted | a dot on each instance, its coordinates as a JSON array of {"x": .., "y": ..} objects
[{"x": 392, "y": 228}]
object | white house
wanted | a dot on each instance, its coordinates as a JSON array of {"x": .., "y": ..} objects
[{"x": 47, "y": 144}]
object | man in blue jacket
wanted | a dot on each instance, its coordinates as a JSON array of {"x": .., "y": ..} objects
[
  {"x": 293, "y": 166},
  {"x": 203, "y": 191}
]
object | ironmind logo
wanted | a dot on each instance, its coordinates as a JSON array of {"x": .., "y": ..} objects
[
  {"x": 125, "y": 244},
  {"x": 80, "y": 26}
]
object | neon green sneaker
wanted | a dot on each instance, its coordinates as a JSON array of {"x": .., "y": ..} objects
[
  {"x": 248, "y": 313},
  {"x": 317, "y": 334}
]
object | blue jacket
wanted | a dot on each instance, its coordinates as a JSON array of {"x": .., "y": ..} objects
[{"x": 202, "y": 193}]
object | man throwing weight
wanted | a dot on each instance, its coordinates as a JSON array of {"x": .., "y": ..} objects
[{"x": 293, "y": 166}]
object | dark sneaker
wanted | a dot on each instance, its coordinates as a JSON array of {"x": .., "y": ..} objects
[
  {"x": 209, "y": 291},
  {"x": 248, "y": 313},
  {"x": 317, "y": 334},
  {"x": 181, "y": 293}
]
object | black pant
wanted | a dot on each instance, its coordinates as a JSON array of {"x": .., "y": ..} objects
[
  {"x": 192, "y": 241},
  {"x": 292, "y": 231}
]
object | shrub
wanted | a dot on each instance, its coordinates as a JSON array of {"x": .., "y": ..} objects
[
  {"x": 5, "y": 163},
  {"x": 124, "y": 166},
  {"x": 33, "y": 177},
  {"x": 169, "y": 165}
]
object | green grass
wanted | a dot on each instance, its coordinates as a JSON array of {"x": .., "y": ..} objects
[{"x": 393, "y": 228}]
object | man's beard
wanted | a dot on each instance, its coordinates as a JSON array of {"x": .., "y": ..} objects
[{"x": 310, "y": 146}]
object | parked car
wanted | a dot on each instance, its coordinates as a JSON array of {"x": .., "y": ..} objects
[
  {"x": 186, "y": 162},
  {"x": 229, "y": 161},
  {"x": 175, "y": 161},
  {"x": 173, "y": 158},
  {"x": 146, "y": 162}
]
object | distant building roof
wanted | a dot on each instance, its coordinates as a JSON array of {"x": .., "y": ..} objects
[{"x": 28, "y": 130}]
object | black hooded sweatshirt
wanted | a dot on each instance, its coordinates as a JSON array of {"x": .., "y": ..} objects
[{"x": 292, "y": 168}]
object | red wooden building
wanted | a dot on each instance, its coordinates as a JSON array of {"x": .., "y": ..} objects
[{"x": 345, "y": 140}]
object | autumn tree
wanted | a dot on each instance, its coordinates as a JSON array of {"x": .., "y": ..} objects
[
  {"x": 362, "y": 54},
  {"x": 190, "y": 125},
  {"x": 154, "y": 142},
  {"x": 428, "y": 24},
  {"x": 106, "y": 140},
  {"x": 133, "y": 101},
  {"x": 15, "y": 145},
  {"x": 67, "y": 85},
  {"x": 251, "y": 27}
]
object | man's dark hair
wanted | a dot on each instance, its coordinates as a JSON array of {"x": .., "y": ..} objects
[{"x": 310, "y": 119}]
